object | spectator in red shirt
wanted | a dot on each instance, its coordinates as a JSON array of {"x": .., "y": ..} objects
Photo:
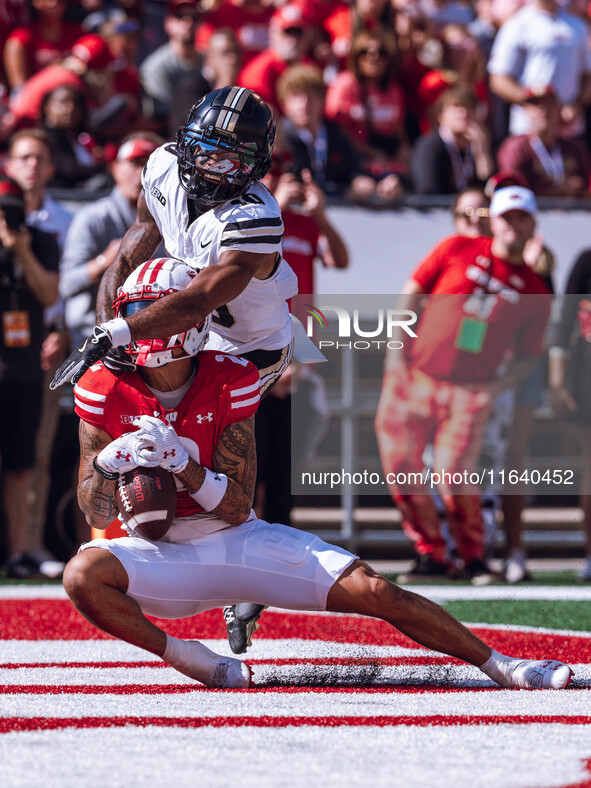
[
  {"x": 48, "y": 38},
  {"x": 289, "y": 42},
  {"x": 551, "y": 165},
  {"x": 443, "y": 392},
  {"x": 89, "y": 70},
  {"x": 248, "y": 19},
  {"x": 347, "y": 20},
  {"x": 368, "y": 101}
]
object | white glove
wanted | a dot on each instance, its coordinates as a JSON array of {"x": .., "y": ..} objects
[
  {"x": 127, "y": 452},
  {"x": 171, "y": 453}
]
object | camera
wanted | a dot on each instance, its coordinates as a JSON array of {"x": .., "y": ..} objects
[{"x": 13, "y": 215}]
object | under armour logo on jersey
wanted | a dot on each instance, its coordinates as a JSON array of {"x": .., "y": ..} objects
[{"x": 200, "y": 418}]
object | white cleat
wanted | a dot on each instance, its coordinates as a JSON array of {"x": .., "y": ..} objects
[
  {"x": 231, "y": 674},
  {"x": 540, "y": 674}
]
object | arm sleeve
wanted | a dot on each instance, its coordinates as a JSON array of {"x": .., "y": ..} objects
[
  {"x": 242, "y": 395},
  {"x": 428, "y": 271},
  {"x": 82, "y": 244},
  {"x": 254, "y": 228},
  {"x": 507, "y": 57}
]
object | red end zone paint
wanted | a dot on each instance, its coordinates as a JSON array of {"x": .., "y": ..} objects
[{"x": 52, "y": 619}]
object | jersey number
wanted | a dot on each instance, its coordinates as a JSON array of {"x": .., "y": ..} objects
[
  {"x": 236, "y": 359},
  {"x": 223, "y": 317}
]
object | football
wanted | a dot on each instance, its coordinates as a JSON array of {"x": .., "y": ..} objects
[{"x": 146, "y": 498}]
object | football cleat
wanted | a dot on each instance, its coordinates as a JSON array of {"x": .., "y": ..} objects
[
  {"x": 540, "y": 674},
  {"x": 241, "y": 624},
  {"x": 231, "y": 674}
]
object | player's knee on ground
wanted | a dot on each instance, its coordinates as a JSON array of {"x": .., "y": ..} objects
[{"x": 92, "y": 568}]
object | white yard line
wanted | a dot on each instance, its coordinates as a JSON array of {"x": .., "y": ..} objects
[
  {"x": 303, "y": 674},
  {"x": 308, "y": 704}
]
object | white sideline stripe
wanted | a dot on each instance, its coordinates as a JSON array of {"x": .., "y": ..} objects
[
  {"x": 464, "y": 676},
  {"x": 40, "y": 651},
  {"x": 472, "y": 593},
  {"x": 309, "y": 704}
]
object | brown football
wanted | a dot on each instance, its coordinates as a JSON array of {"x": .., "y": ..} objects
[{"x": 146, "y": 498}]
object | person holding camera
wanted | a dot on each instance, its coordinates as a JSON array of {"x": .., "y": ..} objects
[{"x": 29, "y": 261}]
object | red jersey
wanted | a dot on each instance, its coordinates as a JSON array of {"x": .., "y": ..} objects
[
  {"x": 225, "y": 390},
  {"x": 40, "y": 51},
  {"x": 465, "y": 339},
  {"x": 249, "y": 23},
  {"x": 261, "y": 75},
  {"x": 348, "y": 104},
  {"x": 300, "y": 249}
]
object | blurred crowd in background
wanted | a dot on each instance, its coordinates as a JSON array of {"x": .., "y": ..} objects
[
  {"x": 377, "y": 97},
  {"x": 375, "y": 100}
]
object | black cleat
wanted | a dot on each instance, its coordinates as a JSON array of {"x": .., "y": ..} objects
[
  {"x": 424, "y": 568},
  {"x": 241, "y": 624}
]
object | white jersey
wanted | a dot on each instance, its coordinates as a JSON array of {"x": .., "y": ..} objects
[{"x": 258, "y": 319}]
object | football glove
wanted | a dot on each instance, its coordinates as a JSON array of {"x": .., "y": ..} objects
[
  {"x": 127, "y": 452},
  {"x": 117, "y": 361},
  {"x": 171, "y": 453},
  {"x": 92, "y": 350}
]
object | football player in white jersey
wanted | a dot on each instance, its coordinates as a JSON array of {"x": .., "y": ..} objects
[
  {"x": 202, "y": 195},
  {"x": 216, "y": 550}
]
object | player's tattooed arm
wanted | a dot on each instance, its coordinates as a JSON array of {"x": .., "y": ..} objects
[
  {"x": 235, "y": 457},
  {"x": 138, "y": 245},
  {"x": 96, "y": 495}
]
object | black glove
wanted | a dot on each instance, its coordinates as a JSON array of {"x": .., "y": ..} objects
[
  {"x": 93, "y": 350},
  {"x": 118, "y": 360}
]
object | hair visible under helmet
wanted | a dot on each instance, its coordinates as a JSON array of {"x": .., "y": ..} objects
[
  {"x": 225, "y": 145},
  {"x": 150, "y": 281}
]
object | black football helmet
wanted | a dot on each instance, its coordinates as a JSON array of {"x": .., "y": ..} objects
[{"x": 225, "y": 145}]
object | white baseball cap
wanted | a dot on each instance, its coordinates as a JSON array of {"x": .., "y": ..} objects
[{"x": 513, "y": 198}]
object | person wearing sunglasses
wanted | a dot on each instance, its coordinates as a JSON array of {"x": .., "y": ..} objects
[{"x": 368, "y": 101}]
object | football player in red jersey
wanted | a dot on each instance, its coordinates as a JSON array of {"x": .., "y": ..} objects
[{"x": 192, "y": 411}]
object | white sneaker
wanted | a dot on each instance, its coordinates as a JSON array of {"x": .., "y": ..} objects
[
  {"x": 540, "y": 674},
  {"x": 231, "y": 674},
  {"x": 585, "y": 574},
  {"x": 515, "y": 570}
]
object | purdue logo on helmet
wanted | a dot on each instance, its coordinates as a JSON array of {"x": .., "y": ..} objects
[
  {"x": 149, "y": 281},
  {"x": 225, "y": 145}
]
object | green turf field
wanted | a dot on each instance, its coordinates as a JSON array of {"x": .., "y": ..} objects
[{"x": 532, "y": 613}]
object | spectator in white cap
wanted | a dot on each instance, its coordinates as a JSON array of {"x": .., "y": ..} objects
[
  {"x": 455, "y": 369},
  {"x": 95, "y": 234}
]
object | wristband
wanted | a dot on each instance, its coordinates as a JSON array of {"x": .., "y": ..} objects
[
  {"x": 211, "y": 491},
  {"x": 118, "y": 331},
  {"x": 110, "y": 475}
]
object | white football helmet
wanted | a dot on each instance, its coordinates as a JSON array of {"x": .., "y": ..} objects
[{"x": 150, "y": 281}]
